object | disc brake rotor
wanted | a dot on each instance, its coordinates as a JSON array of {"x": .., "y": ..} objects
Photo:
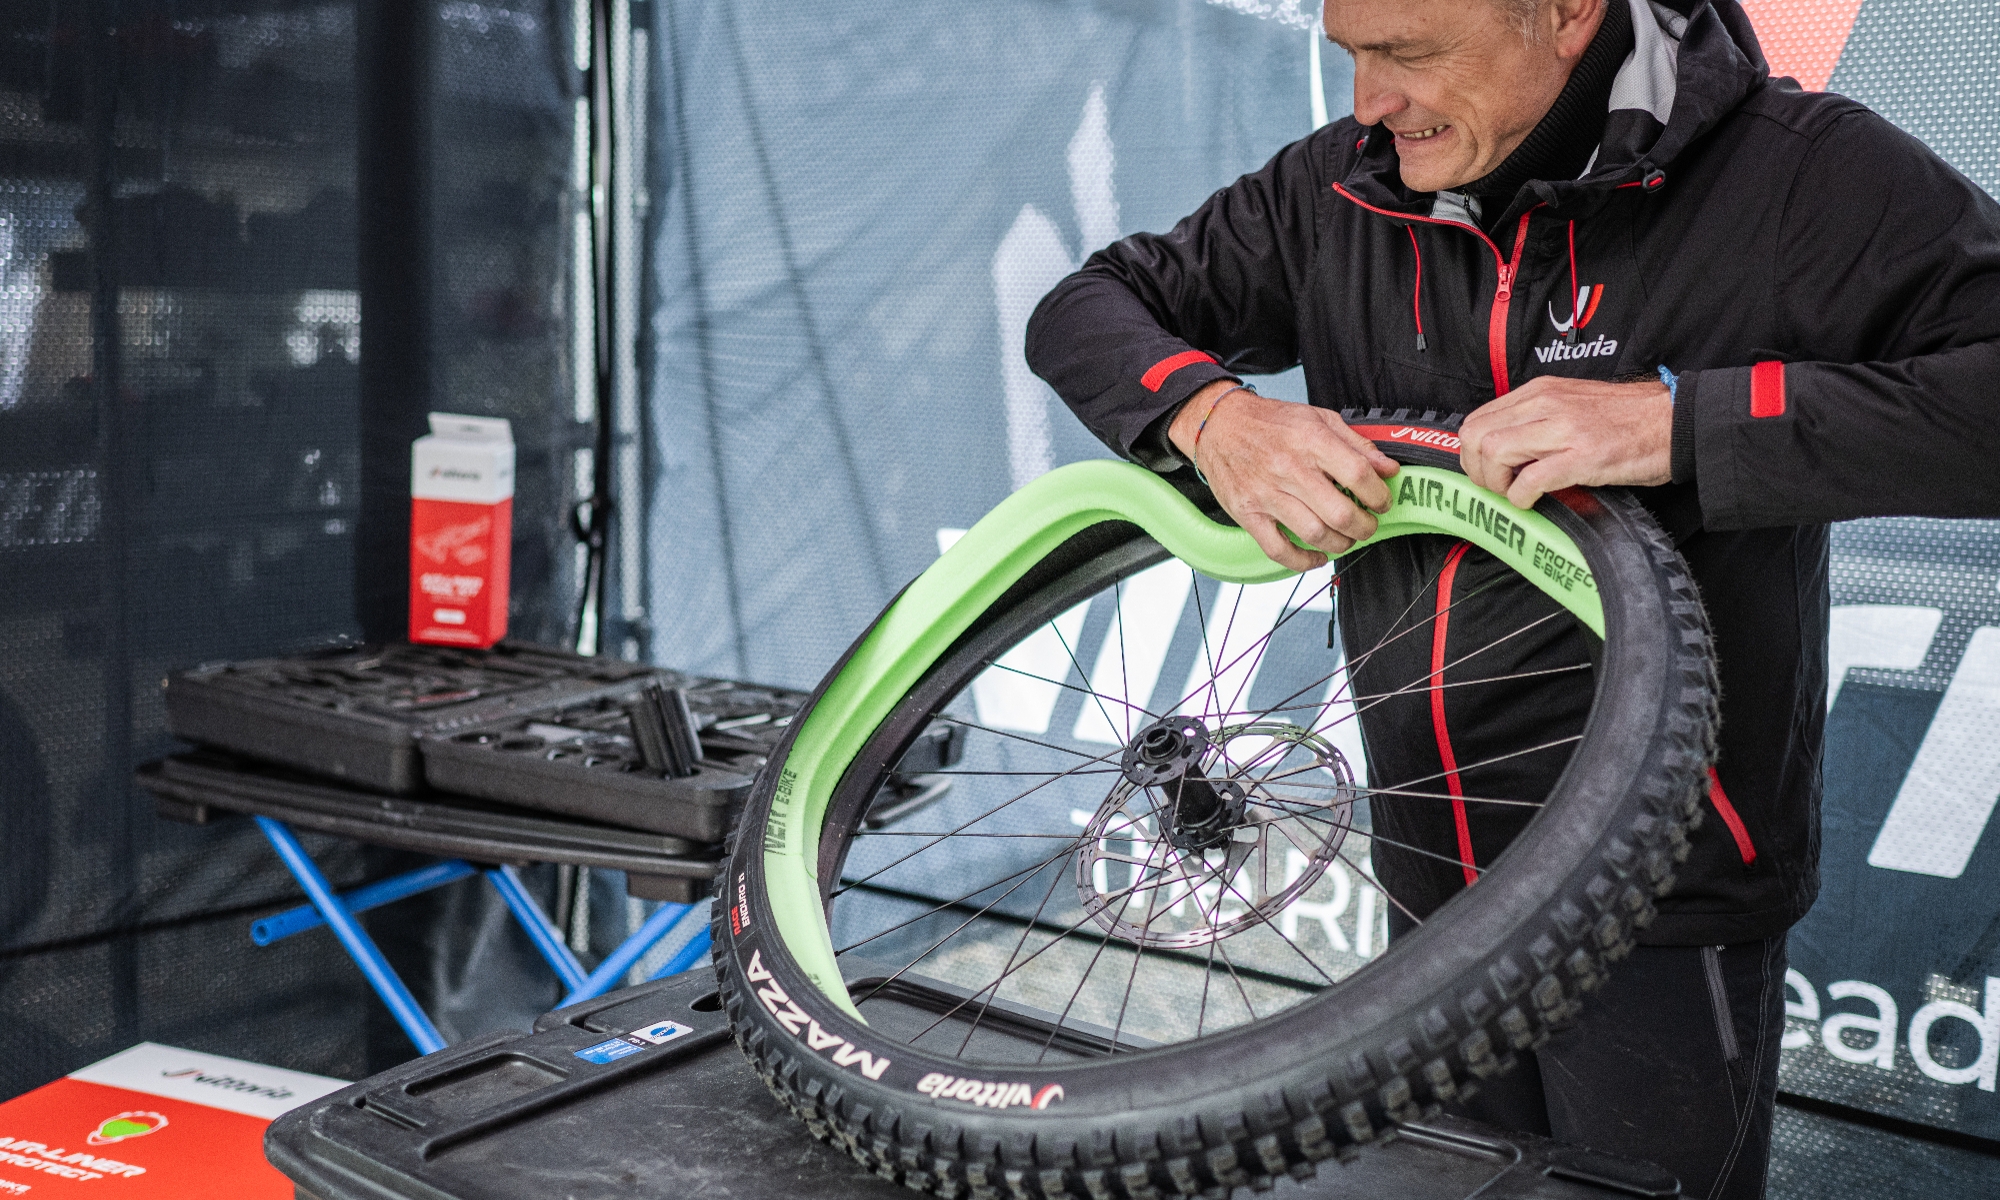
[{"x": 1210, "y": 832}]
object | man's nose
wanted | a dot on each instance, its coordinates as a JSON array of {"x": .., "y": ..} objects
[{"x": 1375, "y": 99}]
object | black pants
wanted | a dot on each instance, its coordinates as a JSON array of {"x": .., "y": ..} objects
[{"x": 1675, "y": 1061}]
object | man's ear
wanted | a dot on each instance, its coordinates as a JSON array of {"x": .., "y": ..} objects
[{"x": 1571, "y": 24}]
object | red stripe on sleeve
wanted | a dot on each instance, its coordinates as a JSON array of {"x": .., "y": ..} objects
[
  {"x": 1446, "y": 754},
  {"x": 1731, "y": 818},
  {"x": 1767, "y": 389},
  {"x": 1156, "y": 375}
]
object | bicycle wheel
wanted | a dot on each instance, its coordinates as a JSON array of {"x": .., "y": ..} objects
[{"x": 1139, "y": 949}]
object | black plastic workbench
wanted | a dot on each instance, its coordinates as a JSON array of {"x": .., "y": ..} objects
[{"x": 674, "y": 1110}]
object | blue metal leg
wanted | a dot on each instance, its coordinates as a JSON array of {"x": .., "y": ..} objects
[
  {"x": 360, "y": 947},
  {"x": 695, "y": 951},
  {"x": 613, "y": 968},
  {"x": 375, "y": 895},
  {"x": 546, "y": 937}
]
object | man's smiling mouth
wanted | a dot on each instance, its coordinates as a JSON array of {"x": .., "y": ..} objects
[{"x": 1417, "y": 135}]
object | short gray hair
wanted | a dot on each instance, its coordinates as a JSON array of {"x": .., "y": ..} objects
[{"x": 1522, "y": 14}]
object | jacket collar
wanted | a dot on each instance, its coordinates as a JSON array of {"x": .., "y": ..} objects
[{"x": 1685, "y": 74}]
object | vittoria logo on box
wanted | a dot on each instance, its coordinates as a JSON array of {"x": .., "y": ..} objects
[{"x": 461, "y": 530}]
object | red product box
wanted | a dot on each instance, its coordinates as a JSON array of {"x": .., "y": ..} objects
[
  {"x": 461, "y": 530},
  {"x": 152, "y": 1123}
]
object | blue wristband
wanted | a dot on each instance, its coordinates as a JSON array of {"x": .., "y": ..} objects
[{"x": 1673, "y": 383}]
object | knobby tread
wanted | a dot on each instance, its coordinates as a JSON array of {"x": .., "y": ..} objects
[{"x": 1323, "y": 1110}]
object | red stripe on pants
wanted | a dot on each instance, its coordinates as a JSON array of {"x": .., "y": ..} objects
[
  {"x": 1445, "y": 752},
  {"x": 1731, "y": 818}
]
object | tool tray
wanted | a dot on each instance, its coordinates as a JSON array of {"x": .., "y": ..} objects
[
  {"x": 523, "y": 725},
  {"x": 581, "y": 758},
  {"x": 355, "y": 713}
]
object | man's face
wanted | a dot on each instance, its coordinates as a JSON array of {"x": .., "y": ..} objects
[{"x": 1456, "y": 81}]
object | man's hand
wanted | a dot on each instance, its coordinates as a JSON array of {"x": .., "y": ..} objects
[
  {"x": 1553, "y": 433},
  {"x": 1275, "y": 463}
]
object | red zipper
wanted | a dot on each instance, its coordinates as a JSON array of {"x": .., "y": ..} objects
[
  {"x": 1496, "y": 328},
  {"x": 1503, "y": 296}
]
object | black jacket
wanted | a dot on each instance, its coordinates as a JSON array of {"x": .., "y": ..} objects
[{"x": 1827, "y": 289}]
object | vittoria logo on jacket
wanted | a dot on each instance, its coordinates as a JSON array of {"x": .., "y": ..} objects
[{"x": 1581, "y": 311}]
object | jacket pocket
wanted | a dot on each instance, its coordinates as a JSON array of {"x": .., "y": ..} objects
[{"x": 1400, "y": 383}]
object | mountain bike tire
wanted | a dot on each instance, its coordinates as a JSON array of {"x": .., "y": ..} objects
[{"x": 1496, "y": 970}]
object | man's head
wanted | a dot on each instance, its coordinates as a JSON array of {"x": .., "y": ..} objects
[{"x": 1459, "y": 82}]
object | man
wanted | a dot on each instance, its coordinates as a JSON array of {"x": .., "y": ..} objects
[{"x": 1598, "y": 229}]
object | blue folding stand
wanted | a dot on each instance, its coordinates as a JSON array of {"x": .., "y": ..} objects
[{"x": 338, "y": 911}]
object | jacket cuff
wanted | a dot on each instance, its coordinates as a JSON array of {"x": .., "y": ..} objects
[
  {"x": 1152, "y": 448},
  {"x": 1713, "y": 399},
  {"x": 1682, "y": 455}
]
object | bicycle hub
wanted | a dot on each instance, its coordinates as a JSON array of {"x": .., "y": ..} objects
[{"x": 1167, "y": 755}]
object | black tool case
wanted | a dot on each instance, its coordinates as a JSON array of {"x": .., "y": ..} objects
[
  {"x": 355, "y": 713},
  {"x": 525, "y": 725},
  {"x": 582, "y": 758},
  {"x": 641, "y": 1093}
]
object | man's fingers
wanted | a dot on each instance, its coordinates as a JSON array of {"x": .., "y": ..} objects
[
  {"x": 1378, "y": 463},
  {"x": 1500, "y": 453},
  {"x": 1279, "y": 548},
  {"x": 1322, "y": 516},
  {"x": 1353, "y": 471},
  {"x": 1541, "y": 477}
]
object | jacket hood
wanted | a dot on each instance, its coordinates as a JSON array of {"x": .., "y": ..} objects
[{"x": 1686, "y": 73}]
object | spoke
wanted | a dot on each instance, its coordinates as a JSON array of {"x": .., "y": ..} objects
[
  {"x": 1207, "y": 977},
  {"x": 953, "y": 903},
  {"x": 1062, "y": 1016},
  {"x": 1068, "y": 687},
  {"x": 1285, "y": 614},
  {"x": 1387, "y": 841},
  {"x": 1261, "y": 915},
  {"x": 955, "y": 832},
  {"x": 1207, "y": 654},
  {"x": 1085, "y": 676},
  {"x": 1365, "y": 793},
  {"x": 1254, "y": 647},
  {"x": 1019, "y": 738},
  {"x": 1487, "y": 762},
  {"x": 955, "y": 932},
  {"x": 948, "y": 833},
  {"x": 1228, "y": 962},
  {"x": 1252, "y": 715},
  {"x": 1124, "y": 657},
  {"x": 955, "y": 771},
  {"x": 1138, "y": 952},
  {"x": 1054, "y": 940},
  {"x": 1351, "y": 662},
  {"x": 1386, "y": 642},
  {"x": 1377, "y": 885},
  {"x": 1008, "y": 967},
  {"x": 1424, "y": 682}
]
